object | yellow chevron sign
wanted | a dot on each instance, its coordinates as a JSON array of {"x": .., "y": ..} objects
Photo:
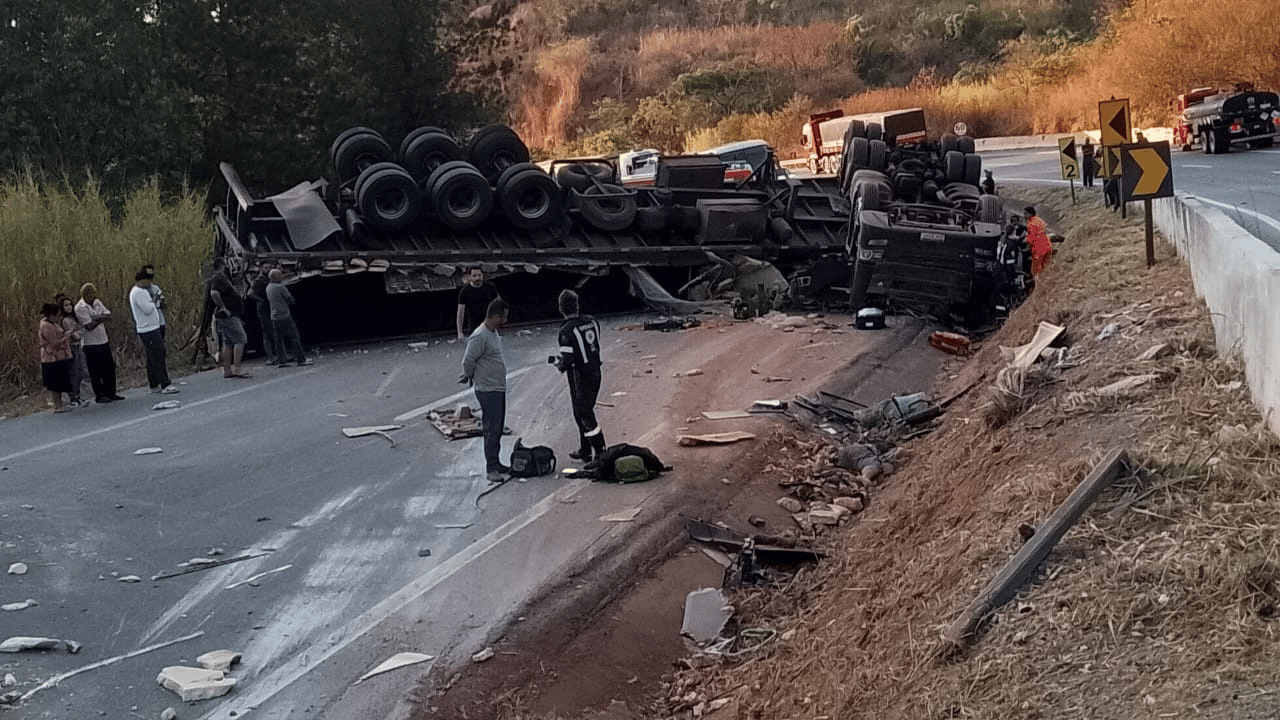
[
  {"x": 1148, "y": 172},
  {"x": 1113, "y": 121}
]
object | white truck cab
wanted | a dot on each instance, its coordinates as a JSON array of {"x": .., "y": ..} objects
[{"x": 638, "y": 168}]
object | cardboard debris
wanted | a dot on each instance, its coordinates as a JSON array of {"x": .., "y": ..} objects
[
  {"x": 714, "y": 438},
  {"x": 1024, "y": 356},
  {"x": 623, "y": 516},
  {"x": 395, "y": 662},
  {"x": 22, "y": 642},
  {"x": 167, "y": 405},
  {"x": 220, "y": 660},
  {"x": 148, "y": 451},
  {"x": 15, "y": 606},
  {"x": 192, "y": 684},
  {"x": 706, "y": 612},
  {"x": 724, "y": 414}
]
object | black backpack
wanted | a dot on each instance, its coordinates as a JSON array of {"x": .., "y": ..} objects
[
  {"x": 527, "y": 462},
  {"x": 605, "y": 467}
]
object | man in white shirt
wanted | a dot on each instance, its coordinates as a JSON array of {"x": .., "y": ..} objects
[
  {"x": 93, "y": 317},
  {"x": 148, "y": 319}
]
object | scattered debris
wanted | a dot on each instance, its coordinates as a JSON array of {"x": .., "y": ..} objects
[
  {"x": 12, "y": 696},
  {"x": 169, "y": 714},
  {"x": 666, "y": 323},
  {"x": 949, "y": 342},
  {"x": 779, "y": 548},
  {"x": 869, "y": 318},
  {"x": 220, "y": 660},
  {"x": 648, "y": 357},
  {"x": 254, "y": 579},
  {"x": 714, "y": 438},
  {"x": 197, "y": 561},
  {"x": 130, "y": 579},
  {"x": 485, "y": 654},
  {"x": 620, "y": 393},
  {"x": 601, "y": 403},
  {"x": 790, "y": 504},
  {"x": 768, "y": 406},
  {"x": 18, "y": 569},
  {"x": 192, "y": 684},
  {"x": 720, "y": 557},
  {"x": 15, "y": 606},
  {"x": 757, "y": 521},
  {"x": 724, "y": 414},
  {"x": 214, "y": 564},
  {"x": 383, "y": 430},
  {"x": 424, "y": 552},
  {"x": 51, "y": 682},
  {"x": 1125, "y": 385},
  {"x": 624, "y": 516},
  {"x": 423, "y": 345},
  {"x": 1155, "y": 352},
  {"x": 455, "y": 423},
  {"x": 776, "y": 378},
  {"x": 395, "y": 662},
  {"x": 706, "y": 612},
  {"x": 9, "y": 680},
  {"x": 167, "y": 405},
  {"x": 1108, "y": 330},
  {"x": 148, "y": 451},
  {"x": 21, "y": 642},
  {"x": 1024, "y": 356},
  {"x": 693, "y": 372},
  {"x": 453, "y": 526}
]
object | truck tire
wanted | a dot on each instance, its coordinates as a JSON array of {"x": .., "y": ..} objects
[
  {"x": 496, "y": 150},
  {"x": 877, "y": 152},
  {"x": 965, "y": 144},
  {"x": 415, "y": 133},
  {"x": 428, "y": 188},
  {"x": 427, "y": 152},
  {"x": 460, "y": 197},
  {"x": 953, "y": 166},
  {"x": 990, "y": 209},
  {"x": 357, "y": 153},
  {"x": 948, "y": 143},
  {"x": 866, "y": 196},
  {"x": 512, "y": 172},
  {"x": 607, "y": 208},
  {"x": 859, "y": 283},
  {"x": 1221, "y": 142},
  {"x": 342, "y": 137},
  {"x": 530, "y": 199},
  {"x": 973, "y": 169},
  {"x": 651, "y": 220},
  {"x": 781, "y": 231},
  {"x": 580, "y": 176},
  {"x": 388, "y": 198},
  {"x": 875, "y": 131},
  {"x": 1206, "y": 142},
  {"x": 860, "y": 152},
  {"x": 369, "y": 171}
]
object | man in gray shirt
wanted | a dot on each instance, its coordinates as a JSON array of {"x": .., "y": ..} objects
[
  {"x": 279, "y": 297},
  {"x": 484, "y": 368}
]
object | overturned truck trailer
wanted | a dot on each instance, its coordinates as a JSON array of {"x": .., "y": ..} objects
[{"x": 397, "y": 224}]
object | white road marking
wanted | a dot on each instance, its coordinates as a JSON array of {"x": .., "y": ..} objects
[
  {"x": 390, "y": 376},
  {"x": 266, "y": 687},
  {"x": 423, "y": 410},
  {"x": 142, "y": 418},
  {"x": 1189, "y": 165}
]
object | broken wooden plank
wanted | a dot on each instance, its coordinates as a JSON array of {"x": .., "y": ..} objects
[
  {"x": 724, "y": 414},
  {"x": 1020, "y": 568}
]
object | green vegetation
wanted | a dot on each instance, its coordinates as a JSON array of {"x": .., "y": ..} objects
[{"x": 54, "y": 240}]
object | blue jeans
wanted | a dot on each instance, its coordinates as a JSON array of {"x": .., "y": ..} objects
[{"x": 493, "y": 418}]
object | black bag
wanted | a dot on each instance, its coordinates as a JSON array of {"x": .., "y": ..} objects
[
  {"x": 604, "y": 468},
  {"x": 527, "y": 462}
]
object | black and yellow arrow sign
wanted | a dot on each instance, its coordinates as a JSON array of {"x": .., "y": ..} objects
[
  {"x": 1067, "y": 157},
  {"x": 1147, "y": 172},
  {"x": 1109, "y": 162},
  {"x": 1113, "y": 121}
]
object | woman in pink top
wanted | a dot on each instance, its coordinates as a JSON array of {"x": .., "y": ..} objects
[{"x": 55, "y": 355}]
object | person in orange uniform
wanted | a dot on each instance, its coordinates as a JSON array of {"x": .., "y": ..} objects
[{"x": 1038, "y": 239}]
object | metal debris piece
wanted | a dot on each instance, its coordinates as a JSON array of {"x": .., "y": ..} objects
[{"x": 396, "y": 662}]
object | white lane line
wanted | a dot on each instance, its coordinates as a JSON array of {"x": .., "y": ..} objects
[
  {"x": 423, "y": 410},
  {"x": 142, "y": 418},
  {"x": 1252, "y": 213},
  {"x": 1189, "y": 165},
  {"x": 390, "y": 376},
  {"x": 266, "y": 687}
]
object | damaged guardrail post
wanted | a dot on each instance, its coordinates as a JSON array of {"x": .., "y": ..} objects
[{"x": 1019, "y": 569}]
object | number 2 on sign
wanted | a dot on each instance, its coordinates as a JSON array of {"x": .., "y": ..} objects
[{"x": 1069, "y": 172}]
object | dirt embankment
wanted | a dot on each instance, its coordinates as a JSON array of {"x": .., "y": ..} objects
[{"x": 1160, "y": 602}]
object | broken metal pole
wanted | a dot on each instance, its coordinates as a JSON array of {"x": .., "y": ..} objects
[
  {"x": 207, "y": 566},
  {"x": 1020, "y": 568}
]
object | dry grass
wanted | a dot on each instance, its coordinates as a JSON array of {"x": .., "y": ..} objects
[
  {"x": 1159, "y": 603},
  {"x": 54, "y": 240}
]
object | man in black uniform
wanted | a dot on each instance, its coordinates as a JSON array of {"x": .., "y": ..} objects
[{"x": 579, "y": 358}]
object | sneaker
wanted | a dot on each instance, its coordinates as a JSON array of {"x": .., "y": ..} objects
[
  {"x": 81, "y": 404},
  {"x": 271, "y": 362},
  {"x": 168, "y": 390},
  {"x": 308, "y": 361},
  {"x": 495, "y": 476},
  {"x": 117, "y": 397}
]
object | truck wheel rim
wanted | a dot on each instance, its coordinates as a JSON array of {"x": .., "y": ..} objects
[{"x": 464, "y": 202}]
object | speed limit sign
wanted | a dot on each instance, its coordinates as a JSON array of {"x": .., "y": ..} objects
[{"x": 960, "y": 128}]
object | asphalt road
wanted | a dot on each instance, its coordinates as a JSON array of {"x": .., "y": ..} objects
[
  {"x": 261, "y": 467},
  {"x": 360, "y": 549},
  {"x": 1245, "y": 184}
]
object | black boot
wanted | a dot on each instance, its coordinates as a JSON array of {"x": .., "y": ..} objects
[{"x": 583, "y": 454}]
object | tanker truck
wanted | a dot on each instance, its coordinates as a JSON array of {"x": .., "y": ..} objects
[{"x": 1218, "y": 119}]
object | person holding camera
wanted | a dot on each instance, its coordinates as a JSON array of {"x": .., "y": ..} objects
[{"x": 579, "y": 360}]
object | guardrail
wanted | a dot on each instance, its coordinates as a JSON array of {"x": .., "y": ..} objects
[{"x": 1238, "y": 276}]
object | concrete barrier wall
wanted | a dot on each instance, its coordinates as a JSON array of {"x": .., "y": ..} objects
[{"x": 1239, "y": 277}]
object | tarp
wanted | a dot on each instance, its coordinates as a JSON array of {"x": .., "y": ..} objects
[{"x": 645, "y": 287}]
